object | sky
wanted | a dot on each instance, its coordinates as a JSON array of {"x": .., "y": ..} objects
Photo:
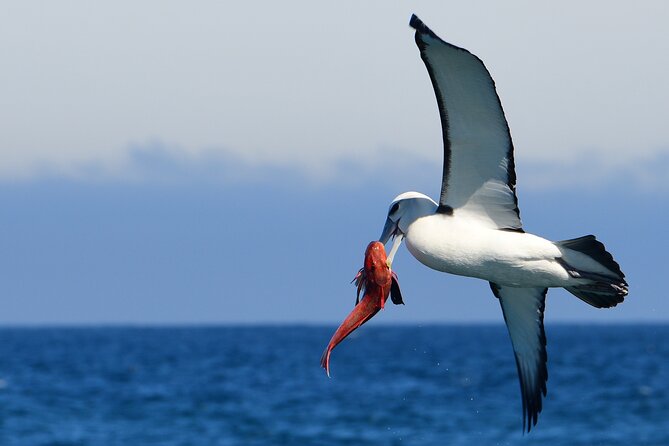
[{"x": 164, "y": 162}]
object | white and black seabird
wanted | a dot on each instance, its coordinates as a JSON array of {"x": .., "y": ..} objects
[{"x": 475, "y": 229}]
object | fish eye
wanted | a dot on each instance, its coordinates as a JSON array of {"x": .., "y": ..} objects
[{"x": 394, "y": 208}]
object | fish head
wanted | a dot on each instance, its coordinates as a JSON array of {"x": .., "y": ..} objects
[{"x": 376, "y": 269}]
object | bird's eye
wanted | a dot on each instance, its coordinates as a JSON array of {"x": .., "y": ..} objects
[{"x": 394, "y": 208}]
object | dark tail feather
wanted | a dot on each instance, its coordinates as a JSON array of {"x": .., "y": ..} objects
[
  {"x": 606, "y": 289},
  {"x": 594, "y": 249},
  {"x": 608, "y": 296}
]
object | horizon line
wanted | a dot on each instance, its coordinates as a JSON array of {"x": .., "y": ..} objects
[{"x": 302, "y": 324}]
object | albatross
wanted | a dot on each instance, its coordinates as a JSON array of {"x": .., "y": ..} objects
[{"x": 475, "y": 229}]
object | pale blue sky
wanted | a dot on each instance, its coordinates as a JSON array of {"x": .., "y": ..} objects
[{"x": 161, "y": 162}]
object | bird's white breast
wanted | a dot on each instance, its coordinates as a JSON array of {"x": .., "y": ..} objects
[{"x": 466, "y": 247}]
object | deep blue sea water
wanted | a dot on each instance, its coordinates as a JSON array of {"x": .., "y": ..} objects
[{"x": 429, "y": 385}]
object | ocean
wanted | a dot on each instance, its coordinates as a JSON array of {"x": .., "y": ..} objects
[{"x": 262, "y": 385}]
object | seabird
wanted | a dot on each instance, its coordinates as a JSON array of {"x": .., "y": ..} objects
[{"x": 475, "y": 229}]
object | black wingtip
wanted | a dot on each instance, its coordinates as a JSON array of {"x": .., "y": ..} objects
[
  {"x": 416, "y": 23},
  {"x": 419, "y": 26}
]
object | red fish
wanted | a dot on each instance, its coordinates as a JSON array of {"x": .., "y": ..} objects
[{"x": 376, "y": 281}]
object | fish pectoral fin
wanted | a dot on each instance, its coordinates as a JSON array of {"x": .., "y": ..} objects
[
  {"x": 395, "y": 293},
  {"x": 359, "y": 281}
]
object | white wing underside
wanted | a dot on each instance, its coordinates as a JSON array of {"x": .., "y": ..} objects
[
  {"x": 479, "y": 173},
  {"x": 493, "y": 204}
]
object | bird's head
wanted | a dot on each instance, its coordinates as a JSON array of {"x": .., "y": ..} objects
[{"x": 404, "y": 210}]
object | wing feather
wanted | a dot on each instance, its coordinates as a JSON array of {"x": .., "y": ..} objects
[
  {"x": 523, "y": 310},
  {"x": 479, "y": 171}
]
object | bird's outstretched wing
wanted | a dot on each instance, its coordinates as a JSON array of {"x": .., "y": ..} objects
[
  {"x": 523, "y": 310},
  {"x": 479, "y": 176}
]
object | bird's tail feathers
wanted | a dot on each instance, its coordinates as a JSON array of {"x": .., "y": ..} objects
[{"x": 587, "y": 258}]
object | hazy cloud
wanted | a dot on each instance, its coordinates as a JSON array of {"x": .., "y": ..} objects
[{"x": 312, "y": 88}]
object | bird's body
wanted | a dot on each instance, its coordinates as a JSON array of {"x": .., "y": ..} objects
[
  {"x": 455, "y": 246},
  {"x": 475, "y": 228}
]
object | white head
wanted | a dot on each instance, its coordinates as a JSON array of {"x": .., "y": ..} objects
[{"x": 404, "y": 210}]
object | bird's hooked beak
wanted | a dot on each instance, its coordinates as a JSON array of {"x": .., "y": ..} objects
[{"x": 392, "y": 230}]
